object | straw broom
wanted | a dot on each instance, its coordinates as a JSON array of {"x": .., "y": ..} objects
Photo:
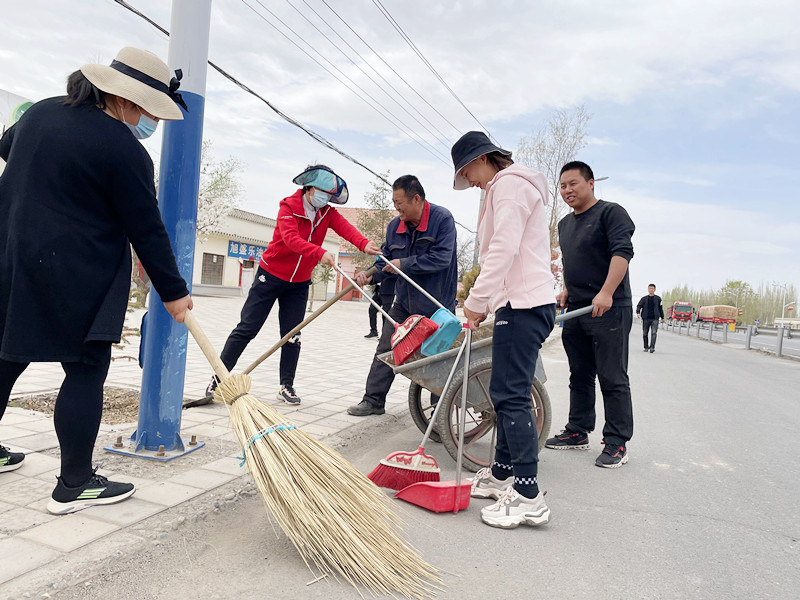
[{"x": 339, "y": 521}]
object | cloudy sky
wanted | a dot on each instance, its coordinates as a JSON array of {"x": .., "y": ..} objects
[{"x": 694, "y": 105}]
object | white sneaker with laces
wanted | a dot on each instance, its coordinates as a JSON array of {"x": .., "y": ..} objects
[
  {"x": 512, "y": 510},
  {"x": 486, "y": 485},
  {"x": 288, "y": 395}
]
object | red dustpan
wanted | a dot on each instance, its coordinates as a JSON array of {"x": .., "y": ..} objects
[{"x": 446, "y": 496}]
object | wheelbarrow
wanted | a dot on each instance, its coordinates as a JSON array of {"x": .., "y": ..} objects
[{"x": 430, "y": 373}]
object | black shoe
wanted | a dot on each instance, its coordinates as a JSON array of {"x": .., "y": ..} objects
[
  {"x": 208, "y": 398},
  {"x": 568, "y": 440},
  {"x": 97, "y": 490},
  {"x": 10, "y": 461},
  {"x": 613, "y": 456},
  {"x": 372, "y": 334},
  {"x": 646, "y": 349},
  {"x": 288, "y": 395},
  {"x": 652, "y": 350},
  {"x": 364, "y": 408}
]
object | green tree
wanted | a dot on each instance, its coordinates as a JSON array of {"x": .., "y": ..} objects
[
  {"x": 321, "y": 275},
  {"x": 372, "y": 222}
]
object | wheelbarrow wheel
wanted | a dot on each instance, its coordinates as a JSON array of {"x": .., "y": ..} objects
[
  {"x": 421, "y": 411},
  {"x": 479, "y": 434}
]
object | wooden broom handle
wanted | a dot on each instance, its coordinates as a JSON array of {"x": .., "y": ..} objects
[
  {"x": 205, "y": 345},
  {"x": 308, "y": 320}
]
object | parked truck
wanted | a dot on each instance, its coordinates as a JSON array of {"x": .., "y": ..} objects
[
  {"x": 718, "y": 313},
  {"x": 679, "y": 311}
]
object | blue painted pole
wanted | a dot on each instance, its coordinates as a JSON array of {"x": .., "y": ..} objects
[{"x": 165, "y": 343}]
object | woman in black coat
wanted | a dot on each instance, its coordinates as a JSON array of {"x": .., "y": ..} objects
[{"x": 76, "y": 189}]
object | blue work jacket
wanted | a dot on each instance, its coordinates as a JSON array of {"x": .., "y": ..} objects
[{"x": 427, "y": 255}]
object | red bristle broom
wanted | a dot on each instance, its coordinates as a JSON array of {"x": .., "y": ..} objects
[
  {"x": 408, "y": 337},
  {"x": 401, "y": 469}
]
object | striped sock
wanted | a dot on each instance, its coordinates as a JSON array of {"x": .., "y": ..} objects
[
  {"x": 501, "y": 472},
  {"x": 526, "y": 486}
]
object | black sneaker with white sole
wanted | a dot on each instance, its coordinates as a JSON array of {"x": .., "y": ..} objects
[
  {"x": 613, "y": 456},
  {"x": 568, "y": 440},
  {"x": 10, "y": 461},
  {"x": 96, "y": 490},
  {"x": 288, "y": 395}
]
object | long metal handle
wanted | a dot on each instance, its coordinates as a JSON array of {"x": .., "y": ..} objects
[
  {"x": 462, "y": 424},
  {"x": 375, "y": 304},
  {"x": 438, "y": 404},
  {"x": 305, "y": 322},
  {"x": 411, "y": 281},
  {"x": 574, "y": 313}
]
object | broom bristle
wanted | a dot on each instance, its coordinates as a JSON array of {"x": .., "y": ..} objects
[
  {"x": 339, "y": 521},
  {"x": 397, "y": 478},
  {"x": 409, "y": 336}
]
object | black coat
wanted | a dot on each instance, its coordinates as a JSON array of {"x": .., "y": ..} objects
[{"x": 77, "y": 186}]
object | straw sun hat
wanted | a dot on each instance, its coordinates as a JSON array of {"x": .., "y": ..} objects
[{"x": 143, "y": 78}]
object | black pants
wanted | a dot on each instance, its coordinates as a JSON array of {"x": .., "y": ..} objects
[
  {"x": 381, "y": 376},
  {"x": 79, "y": 407},
  {"x": 518, "y": 335},
  {"x": 385, "y": 303},
  {"x": 598, "y": 348},
  {"x": 292, "y": 298},
  {"x": 650, "y": 325}
]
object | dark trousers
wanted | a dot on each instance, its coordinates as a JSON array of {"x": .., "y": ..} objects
[
  {"x": 79, "y": 407},
  {"x": 518, "y": 335},
  {"x": 266, "y": 289},
  {"x": 598, "y": 348},
  {"x": 385, "y": 303},
  {"x": 650, "y": 325},
  {"x": 381, "y": 376}
]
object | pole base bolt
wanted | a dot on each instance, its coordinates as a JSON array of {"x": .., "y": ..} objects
[
  {"x": 118, "y": 443},
  {"x": 160, "y": 451},
  {"x": 193, "y": 441}
]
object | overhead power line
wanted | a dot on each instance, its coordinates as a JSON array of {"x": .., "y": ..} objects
[
  {"x": 425, "y": 61},
  {"x": 380, "y": 108}
]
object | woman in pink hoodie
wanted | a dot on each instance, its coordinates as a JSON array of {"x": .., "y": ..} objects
[{"x": 515, "y": 284}]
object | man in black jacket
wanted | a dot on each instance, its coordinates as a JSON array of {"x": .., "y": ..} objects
[
  {"x": 596, "y": 249},
  {"x": 650, "y": 311}
]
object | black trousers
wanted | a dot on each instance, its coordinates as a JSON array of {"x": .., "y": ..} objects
[
  {"x": 385, "y": 303},
  {"x": 266, "y": 289},
  {"x": 650, "y": 325},
  {"x": 598, "y": 348},
  {"x": 79, "y": 407},
  {"x": 518, "y": 335},
  {"x": 381, "y": 376}
]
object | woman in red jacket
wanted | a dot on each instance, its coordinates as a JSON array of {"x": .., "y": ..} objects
[{"x": 284, "y": 272}]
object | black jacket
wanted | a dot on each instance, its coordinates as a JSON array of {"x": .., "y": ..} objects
[
  {"x": 77, "y": 186},
  {"x": 641, "y": 308}
]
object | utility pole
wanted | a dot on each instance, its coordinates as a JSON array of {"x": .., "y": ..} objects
[{"x": 157, "y": 435}]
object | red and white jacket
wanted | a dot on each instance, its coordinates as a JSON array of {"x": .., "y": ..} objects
[{"x": 296, "y": 246}]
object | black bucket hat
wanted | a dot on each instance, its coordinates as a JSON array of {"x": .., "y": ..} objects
[{"x": 471, "y": 145}]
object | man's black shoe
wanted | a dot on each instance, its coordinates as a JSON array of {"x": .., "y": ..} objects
[
  {"x": 96, "y": 490},
  {"x": 652, "y": 350},
  {"x": 568, "y": 440},
  {"x": 613, "y": 456},
  {"x": 10, "y": 461},
  {"x": 364, "y": 408},
  {"x": 208, "y": 398},
  {"x": 372, "y": 334}
]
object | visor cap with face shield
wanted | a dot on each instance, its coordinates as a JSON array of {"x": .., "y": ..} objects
[{"x": 324, "y": 179}]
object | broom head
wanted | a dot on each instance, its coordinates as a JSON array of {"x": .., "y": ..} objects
[
  {"x": 401, "y": 469},
  {"x": 408, "y": 337}
]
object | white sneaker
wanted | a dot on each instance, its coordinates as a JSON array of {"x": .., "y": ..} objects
[
  {"x": 512, "y": 510},
  {"x": 486, "y": 485}
]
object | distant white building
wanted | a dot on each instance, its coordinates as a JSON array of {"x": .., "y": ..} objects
[{"x": 226, "y": 260}]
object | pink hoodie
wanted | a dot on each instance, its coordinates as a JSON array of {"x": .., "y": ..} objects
[{"x": 514, "y": 243}]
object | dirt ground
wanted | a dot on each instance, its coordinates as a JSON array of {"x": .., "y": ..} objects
[{"x": 120, "y": 405}]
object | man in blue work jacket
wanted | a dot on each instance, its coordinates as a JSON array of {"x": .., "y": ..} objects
[{"x": 420, "y": 241}]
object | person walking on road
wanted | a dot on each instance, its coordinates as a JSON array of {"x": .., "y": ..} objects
[
  {"x": 650, "y": 311},
  {"x": 284, "y": 272},
  {"x": 517, "y": 285},
  {"x": 77, "y": 188},
  {"x": 596, "y": 248},
  {"x": 420, "y": 241}
]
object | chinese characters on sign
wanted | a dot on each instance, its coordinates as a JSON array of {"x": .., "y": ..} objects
[{"x": 244, "y": 250}]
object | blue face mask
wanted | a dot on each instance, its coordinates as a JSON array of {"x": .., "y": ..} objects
[
  {"x": 318, "y": 199},
  {"x": 144, "y": 128}
]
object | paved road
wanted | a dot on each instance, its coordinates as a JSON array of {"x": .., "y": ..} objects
[{"x": 706, "y": 507}]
